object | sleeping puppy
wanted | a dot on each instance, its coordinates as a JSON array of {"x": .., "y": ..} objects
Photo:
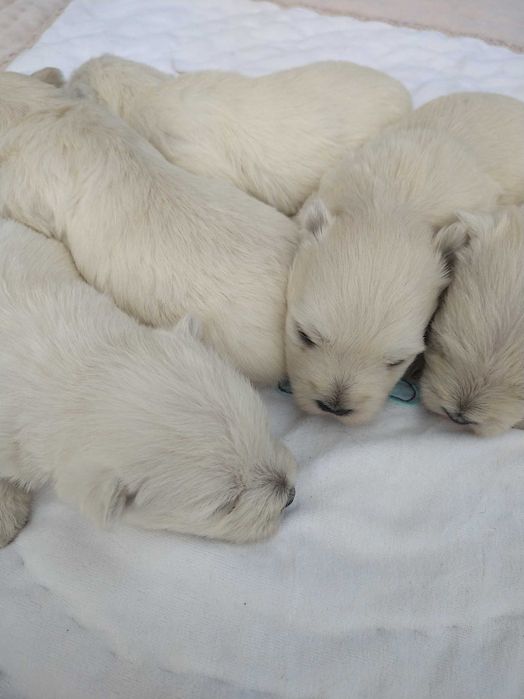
[
  {"x": 475, "y": 357},
  {"x": 366, "y": 281},
  {"x": 271, "y": 136},
  {"x": 129, "y": 423},
  {"x": 163, "y": 242}
]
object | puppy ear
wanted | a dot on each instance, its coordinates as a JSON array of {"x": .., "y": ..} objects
[
  {"x": 314, "y": 216},
  {"x": 477, "y": 224},
  {"x": 49, "y": 75},
  {"x": 191, "y": 325},
  {"x": 469, "y": 225},
  {"x": 450, "y": 239}
]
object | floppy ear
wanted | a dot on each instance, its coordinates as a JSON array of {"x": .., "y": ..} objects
[
  {"x": 314, "y": 216},
  {"x": 49, "y": 75},
  {"x": 450, "y": 239},
  {"x": 100, "y": 495},
  {"x": 479, "y": 223}
]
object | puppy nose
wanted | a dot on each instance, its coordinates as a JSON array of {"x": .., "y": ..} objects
[
  {"x": 290, "y": 497},
  {"x": 333, "y": 409},
  {"x": 457, "y": 417}
]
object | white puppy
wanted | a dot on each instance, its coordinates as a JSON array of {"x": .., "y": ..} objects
[
  {"x": 163, "y": 242},
  {"x": 365, "y": 284},
  {"x": 272, "y": 136},
  {"x": 128, "y": 422},
  {"x": 475, "y": 358}
]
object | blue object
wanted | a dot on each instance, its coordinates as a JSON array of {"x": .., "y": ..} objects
[{"x": 404, "y": 391}]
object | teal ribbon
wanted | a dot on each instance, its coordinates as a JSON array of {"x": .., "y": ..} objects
[{"x": 405, "y": 392}]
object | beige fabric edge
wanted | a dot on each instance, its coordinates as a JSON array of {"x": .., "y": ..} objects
[
  {"x": 9, "y": 53},
  {"x": 398, "y": 23}
]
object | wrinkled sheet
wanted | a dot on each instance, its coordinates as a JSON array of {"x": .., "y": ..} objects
[{"x": 399, "y": 570}]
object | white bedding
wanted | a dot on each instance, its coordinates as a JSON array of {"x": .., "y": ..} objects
[{"x": 399, "y": 570}]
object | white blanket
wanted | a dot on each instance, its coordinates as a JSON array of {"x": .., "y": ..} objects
[{"x": 399, "y": 570}]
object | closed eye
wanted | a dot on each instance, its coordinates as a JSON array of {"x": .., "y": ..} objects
[
  {"x": 398, "y": 362},
  {"x": 306, "y": 340}
]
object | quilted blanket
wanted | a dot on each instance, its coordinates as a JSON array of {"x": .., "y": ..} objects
[{"x": 399, "y": 570}]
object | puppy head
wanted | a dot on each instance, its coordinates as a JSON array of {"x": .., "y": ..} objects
[
  {"x": 362, "y": 290},
  {"x": 229, "y": 496},
  {"x": 191, "y": 445},
  {"x": 217, "y": 473},
  {"x": 474, "y": 371}
]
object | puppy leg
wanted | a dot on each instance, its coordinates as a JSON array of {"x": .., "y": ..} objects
[{"x": 15, "y": 505}]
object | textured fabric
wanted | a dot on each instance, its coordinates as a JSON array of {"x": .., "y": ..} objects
[
  {"x": 22, "y": 22},
  {"x": 399, "y": 570},
  {"x": 496, "y": 22}
]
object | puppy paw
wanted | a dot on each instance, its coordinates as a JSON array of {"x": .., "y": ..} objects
[{"x": 15, "y": 506}]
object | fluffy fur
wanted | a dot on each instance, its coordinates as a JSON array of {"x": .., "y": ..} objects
[
  {"x": 475, "y": 358},
  {"x": 163, "y": 242},
  {"x": 366, "y": 282},
  {"x": 272, "y": 136},
  {"x": 132, "y": 423}
]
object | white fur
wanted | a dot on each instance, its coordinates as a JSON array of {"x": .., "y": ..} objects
[
  {"x": 272, "y": 136},
  {"x": 365, "y": 284},
  {"x": 475, "y": 357},
  {"x": 163, "y": 242},
  {"x": 128, "y": 422}
]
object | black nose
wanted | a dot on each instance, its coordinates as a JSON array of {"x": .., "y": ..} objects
[
  {"x": 457, "y": 417},
  {"x": 334, "y": 410},
  {"x": 290, "y": 497}
]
